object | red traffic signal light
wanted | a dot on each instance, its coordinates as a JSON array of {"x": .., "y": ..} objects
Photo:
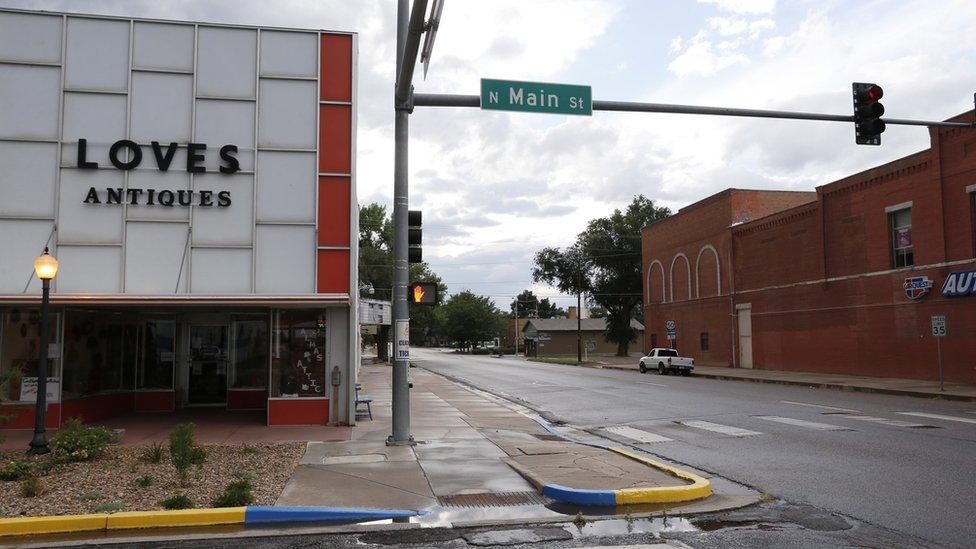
[{"x": 868, "y": 125}]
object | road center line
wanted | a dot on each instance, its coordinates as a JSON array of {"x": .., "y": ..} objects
[
  {"x": 804, "y": 423},
  {"x": 636, "y": 434},
  {"x": 882, "y": 420},
  {"x": 718, "y": 428},
  {"x": 652, "y": 383},
  {"x": 938, "y": 416},
  {"x": 819, "y": 406}
]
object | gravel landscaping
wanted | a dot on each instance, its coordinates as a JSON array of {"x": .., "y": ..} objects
[{"x": 108, "y": 483}]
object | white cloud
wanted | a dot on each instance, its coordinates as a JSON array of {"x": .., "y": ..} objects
[
  {"x": 743, "y": 6},
  {"x": 701, "y": 59}
]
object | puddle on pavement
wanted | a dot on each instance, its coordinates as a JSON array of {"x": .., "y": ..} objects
[
  {"x": 622, "y": 527},
  {"x": 713, "y": 525}
]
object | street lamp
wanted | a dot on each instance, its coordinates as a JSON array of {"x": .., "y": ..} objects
[{"x": 46, "y": 268}]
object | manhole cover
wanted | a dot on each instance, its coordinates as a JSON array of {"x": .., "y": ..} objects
[
  {"x": 554, "y": 438},
  {"x": 494, "y": 499}
]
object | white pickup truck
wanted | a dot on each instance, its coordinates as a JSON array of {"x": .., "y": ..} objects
[{"x": 666, "y": 361}]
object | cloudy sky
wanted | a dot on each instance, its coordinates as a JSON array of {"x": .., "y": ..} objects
[{"x": 496, "y": 187}]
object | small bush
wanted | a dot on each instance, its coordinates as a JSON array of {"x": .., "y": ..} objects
[
  {"x": 15, "y": 470},
  {"x": 178, "y": 501},
  {"x": 31, "y": 487},
  {"x": 184, "y": 451},
  {"x": 91, "y": 496},
  {"x": 110, "y": 507},
  {"x": 145, "y": 481},
  {"x": 154, "y": 453},
  {"x": 79, "y": 442},
  {"x": 236, "y": 494}
]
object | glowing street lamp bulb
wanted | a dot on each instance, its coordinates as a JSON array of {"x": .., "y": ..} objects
[{"x": 46, "y": 266}]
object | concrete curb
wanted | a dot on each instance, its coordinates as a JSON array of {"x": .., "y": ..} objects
[
  {"x": 699, "y": 488},
  {"x": 255, "y": 514}
]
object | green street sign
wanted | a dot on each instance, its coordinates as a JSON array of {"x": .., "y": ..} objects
[{"x": 545, "y": 97}]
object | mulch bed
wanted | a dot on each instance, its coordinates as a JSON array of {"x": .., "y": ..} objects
[{"x": 83, "y": 487}]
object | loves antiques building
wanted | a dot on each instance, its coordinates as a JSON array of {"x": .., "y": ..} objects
[
  {"x": 196, "y": 182},
  {"x": 844, "y": 280}
]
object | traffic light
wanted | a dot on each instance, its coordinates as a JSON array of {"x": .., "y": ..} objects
[
  {"x": 423, "y": 293},
  {"x": 868, "y": 125},
  {"x": 415, "y": 253}
]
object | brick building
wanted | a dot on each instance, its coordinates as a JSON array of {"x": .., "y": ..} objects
[{"x": 844, "y": 279}]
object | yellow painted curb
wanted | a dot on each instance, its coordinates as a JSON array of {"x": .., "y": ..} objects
[
  {"x": 182, "y": 517},
  {"x": 49, "y": 525},
  {"x": 698, "y": 489}
]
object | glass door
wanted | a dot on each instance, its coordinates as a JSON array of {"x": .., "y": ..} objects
[{"x": 207, "y": 376}]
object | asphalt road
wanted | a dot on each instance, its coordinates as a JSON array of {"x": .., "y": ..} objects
[{"x": 863, "y": 455}]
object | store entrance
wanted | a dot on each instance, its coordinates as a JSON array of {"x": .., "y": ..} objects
[{"x": 208, "y": 358}]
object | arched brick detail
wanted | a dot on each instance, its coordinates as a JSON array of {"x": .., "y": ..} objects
[
  {"x": 687, "y": 274},
  {"x": 651, "y": 285},
  {"x": 698, "y": 274}
]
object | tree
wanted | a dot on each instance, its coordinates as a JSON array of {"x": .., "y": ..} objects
[
  {"x": 470, "y": 318},
  {"x": 531, "y": 306},
  {"x": 605, "y": 262}
]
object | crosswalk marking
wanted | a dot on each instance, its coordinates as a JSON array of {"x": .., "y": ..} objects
[
  {"x": 883, "y": 421},
  {"x": 652, "y": 383},
  {"x": 804, "y": 423},
  {"x": 938, "y": 416},
  {"x": 636, "y": 434},
  {"x": 718, "y": 428},
  {"x": 835, "y": 408}
]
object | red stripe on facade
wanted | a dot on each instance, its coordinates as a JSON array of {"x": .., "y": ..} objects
[
  {"x": 335, "y": 140},
  {"x": 298, "y": 411},
  {"x": 336, "y": 67},
  {"x": 334, "y": 198},
  {"x": 333, "y": 271}
]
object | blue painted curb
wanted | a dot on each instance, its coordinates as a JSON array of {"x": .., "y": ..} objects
[
  {"x": 580, "y": 496},
  {"x": 264, "y": 514}
]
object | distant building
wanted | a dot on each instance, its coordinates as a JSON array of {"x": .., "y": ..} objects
[
  {"x": 844, "y": 279},
  {"x": 557, "y": 337}
]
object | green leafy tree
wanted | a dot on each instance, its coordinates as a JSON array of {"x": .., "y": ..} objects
[
  {"x": 605, "y": 263},
  {"x": 531, "y": 306},
  {"x": 470, "y": 319}
]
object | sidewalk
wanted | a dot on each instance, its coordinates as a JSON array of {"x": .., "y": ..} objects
[
  {"x": 471, "y": 448},
  {"x": 891, "y": 386}
]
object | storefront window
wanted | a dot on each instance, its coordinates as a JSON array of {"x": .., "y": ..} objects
[
  {"x": 250, "y": 356},
  {"x": 298, "y": 356},
  {"x": 94, "y": 353},
  {"x": 158, "y": 355},
  {"x": 19, "y": 355}
]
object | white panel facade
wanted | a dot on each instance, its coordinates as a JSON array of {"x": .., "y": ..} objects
[
  {"x": 22, "y": 242},
  {"x": 225, "y": 226},
  {"x": 89, "y": 269},
  {"x": 285, "y": 256},
  {"x": 28, "y": 178},
  {"x": 286, "y": 187},
  {"x": 221, "y": 271},
  {"x": 226, "y": 62},
  {"x": 153, "y": 257},
  {"x": 222, "y": 122},
  {"x": 288, "y": 114},
  {"x": 97, "y": 55},
  {"x": 99, "y": 118},
  {"x": 162, "y": 46},
  {"x": 29, "y": 96},
  {"x": 81, "y": 223},
  {"x": 30, "y": 37},
  {"x": 291, "y": 54},
  {"x": 162, "y": 107},
  {"x": 174, "y": 180}
]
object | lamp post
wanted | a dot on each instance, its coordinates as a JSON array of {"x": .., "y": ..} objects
[{"x": 46, "y": 267}]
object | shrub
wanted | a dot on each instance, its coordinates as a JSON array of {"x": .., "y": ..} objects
[
  {"x": 184, "y": 451},
  {"x": 145, "y": 481},
  {"x": 79, "y": 442},
  {"x": 91, "y": 496},
  {"x": 15, "y": 470},
  {"x": 154, "y": 453},
  {"x": 31, "y": 487},
  {"x": 178, "y": 501},
  {"x": 236, "y": 494},
  {"x": 110, "y": 507}
]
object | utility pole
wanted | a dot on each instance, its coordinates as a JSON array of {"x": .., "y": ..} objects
[{"x": 579, "y": 310}]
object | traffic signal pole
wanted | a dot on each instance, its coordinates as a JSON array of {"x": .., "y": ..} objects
[
  {"x": 451, "y": 100},
  {"x": 408, "y": 43}
]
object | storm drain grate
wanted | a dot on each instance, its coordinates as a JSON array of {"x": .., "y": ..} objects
[
  {"x": 494, "y": 499},
  {"x": 553, "y": 438}
]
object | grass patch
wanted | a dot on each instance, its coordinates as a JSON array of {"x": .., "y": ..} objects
[
  {"x": 236, "y": 494},
  {"x": 145, "y": 481},
  {"x": 178, "y": 501},
  {"x": 110, "y": 507},
  {"x": 91, "y": 496},
  {"x": 154, "y": 453},
  {"x": 31, "y": 487}
]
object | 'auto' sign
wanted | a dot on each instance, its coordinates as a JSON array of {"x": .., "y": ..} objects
[{"x": 959, "y": 284}]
